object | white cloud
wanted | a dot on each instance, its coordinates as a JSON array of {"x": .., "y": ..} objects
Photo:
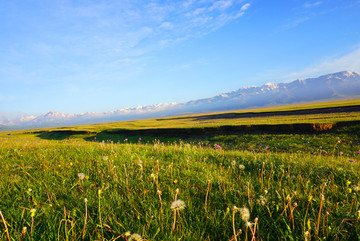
[
  {"x": 245, "y": 6},
  {"x": 311, "y": 5},
  {"x": 350, "y": 61},
  {"x": 221, "y": 5}
]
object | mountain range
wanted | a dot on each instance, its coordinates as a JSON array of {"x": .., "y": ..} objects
[{"x": 341, "y": 85}]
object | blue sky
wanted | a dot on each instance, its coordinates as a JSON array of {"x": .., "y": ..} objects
[{"x": 83, "y": 55}]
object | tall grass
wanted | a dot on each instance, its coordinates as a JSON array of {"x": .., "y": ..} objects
[{"x": 128, "y": 189}]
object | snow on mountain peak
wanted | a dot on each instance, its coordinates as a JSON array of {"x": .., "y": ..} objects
[{"x": 335, "y": 85}]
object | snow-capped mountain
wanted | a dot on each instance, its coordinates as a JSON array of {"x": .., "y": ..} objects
[{"x": 341, "y": 85}]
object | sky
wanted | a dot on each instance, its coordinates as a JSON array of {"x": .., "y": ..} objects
[{"x": 96, "y": 56}]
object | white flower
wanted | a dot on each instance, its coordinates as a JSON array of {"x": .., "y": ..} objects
[
  {"x": 135, "y": 237},
  {"x": 105, "y": 158},
  {"x": 241, "y": 167},
  {"x": 178, "y": 205},
  {"x": 81, "y": 176}
]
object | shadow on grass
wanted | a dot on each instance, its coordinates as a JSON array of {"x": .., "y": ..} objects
[
  {"x": 61, "y": 134},
  {"x": 175, "y": 134}
]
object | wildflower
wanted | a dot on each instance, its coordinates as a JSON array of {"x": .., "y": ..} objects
[
  {"x": 262, "y": 200},
  {"x": 266, "y": 191},
  {"x": 81, "y": 176},
  {"x": 135, "y": 237},
  {"x": 85, "y": 200},
  {"x": 178, "y": 205},
  {"x": 218, "y": 147},
  {"x": 233, "y": 163},
  {"x": 29, "y": 191},
  {"x": 348, "y": 183},
  {"x": 235, "y": 209},
  {"x": 105, "y": 158},
  {"x": 127, "y": 233},
  {"x": 266, "y": 147},
  {"x": 353, "y": 161},
  {"x": 175, "y": 181},
  {"x": 126, "y": 139},
  {"x": 325, "y": 152},
  {"x": 71, "y": 163},
  {"x": 177, "y": 190},
  {"x": 24, "y": 230},
  {"x": 356, "y": 188},
  {"x": 245, "y": 214},
  {"x": 241, "y": 167},
  {"x": 306, "y": 235},
  {"x": 32, "y": 212},
  {"x": 248, "y": 224},
  {"x": 159, "y": 192},
  {"x": 341, "y": 153}
]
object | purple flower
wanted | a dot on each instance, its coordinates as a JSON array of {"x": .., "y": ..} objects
[
  {"x": 325, "y": 152},
  {"x": 126, "y": 139},
  {"x": 139, "y": 139},
  {"x": 358, "y": 152},
  {"x": 352, "y": 160},
  {"x": 266, "y": 147},
  {"x": 218, "y": 146},
  {"x": 341, "y": 153}
]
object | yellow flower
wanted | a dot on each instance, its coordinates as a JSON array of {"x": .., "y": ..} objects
[
  {"x": 175, "y": 181},
  {"x": 32, "y": 212}
]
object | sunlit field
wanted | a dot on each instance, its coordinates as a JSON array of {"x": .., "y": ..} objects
[{"x": 226, "y": 187}]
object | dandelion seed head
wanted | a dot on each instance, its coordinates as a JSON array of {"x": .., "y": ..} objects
[
  {"x": 81, "y": 176},
  {"x": 178, "y": 205},
  {"x": 241, "y": 167},
  {"x": 245, "y": 214},
  {"x": 356, "y": 188},
  {"x": 135, "y": 237}
]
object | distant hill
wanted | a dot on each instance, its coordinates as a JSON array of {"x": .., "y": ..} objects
[{"x": 341, "y": 85}]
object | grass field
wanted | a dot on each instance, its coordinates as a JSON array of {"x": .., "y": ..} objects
[{"x": 87, "y": 184}]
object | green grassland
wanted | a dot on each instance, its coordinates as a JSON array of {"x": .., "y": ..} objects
[{"x": 296, "y": 186}]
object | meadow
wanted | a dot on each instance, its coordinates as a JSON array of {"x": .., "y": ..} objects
[{"x": 89, "y": 184}]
